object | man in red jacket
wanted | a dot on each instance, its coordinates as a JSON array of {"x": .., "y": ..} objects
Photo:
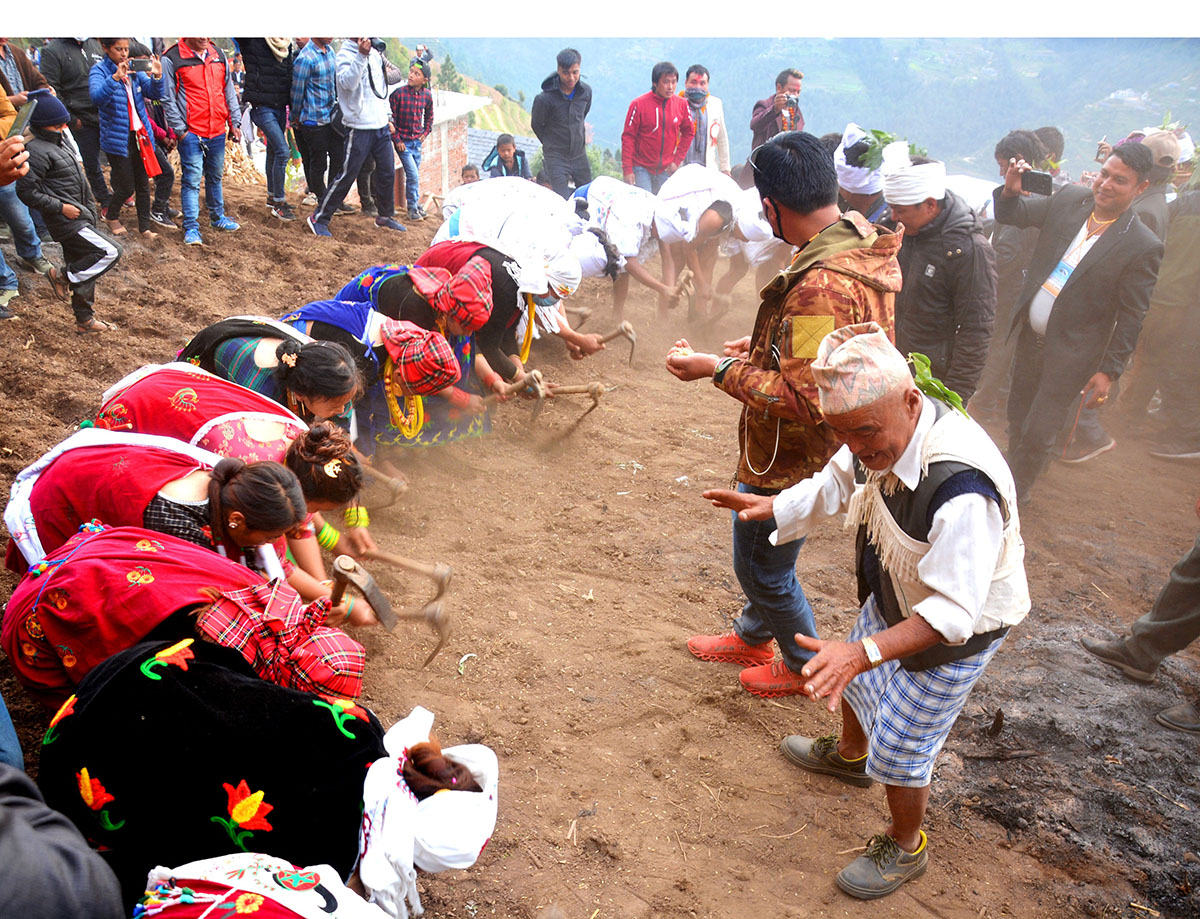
[{"x": 658, "y": 132}]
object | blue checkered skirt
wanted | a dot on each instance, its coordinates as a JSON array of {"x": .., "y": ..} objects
[{"x": 908, "y": 716}]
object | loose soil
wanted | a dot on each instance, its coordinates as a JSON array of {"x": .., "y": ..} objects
[{"x": 636, "y": 780}]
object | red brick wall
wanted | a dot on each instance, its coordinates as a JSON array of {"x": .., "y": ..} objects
[{"x": 433, "y": 178}]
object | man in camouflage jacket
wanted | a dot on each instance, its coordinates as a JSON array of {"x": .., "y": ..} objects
[{"x": 845, "y": 272}]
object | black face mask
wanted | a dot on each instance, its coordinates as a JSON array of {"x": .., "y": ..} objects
[
  {"x": 777, "y": 233},
  {"x": 696, "y": 95}
]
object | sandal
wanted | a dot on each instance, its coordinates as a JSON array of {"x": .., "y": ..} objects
[
  {"x": 95, "y": 326},
  {"x": 62, "y": 289}
]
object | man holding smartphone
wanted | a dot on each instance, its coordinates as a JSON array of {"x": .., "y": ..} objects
[{"x": 1086, "y": 292}]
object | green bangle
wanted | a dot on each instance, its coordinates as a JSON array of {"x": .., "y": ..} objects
[
  {"x": 349, "y": 608},
  {"x": 722, "y": 365},
  {"x": 328, "y": 537}
]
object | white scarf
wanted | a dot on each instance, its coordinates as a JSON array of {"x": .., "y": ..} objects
[{"x": 904, "y": 183}]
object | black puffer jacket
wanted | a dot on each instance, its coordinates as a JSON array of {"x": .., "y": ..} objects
[
  {"x": 947, "y": 306},
  {"x": 66, "y": 65},
  {"x": 558, "y": 121},
  {"x": 56, "y": 178},
  {"x": 268, "y": 80}
]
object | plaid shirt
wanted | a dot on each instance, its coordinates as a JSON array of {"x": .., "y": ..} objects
[
  {"x": 314, "y": 92},
  {"x": 412, "y": 113},
  {"x": 284, "y": 641}
]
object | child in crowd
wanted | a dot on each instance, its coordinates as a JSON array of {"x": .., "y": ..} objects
[{"x": 56, "y": 186}]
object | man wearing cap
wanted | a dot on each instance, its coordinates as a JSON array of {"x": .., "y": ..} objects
[
  {"x": 1086, "y": 292},
  {"x": 861, "y": 186},
  {"x": 845, "y": 273},
  {"x": 941, "y": 579},
  {"x": 1151, "y": 205},
  {"x": 948, "y": 303}
]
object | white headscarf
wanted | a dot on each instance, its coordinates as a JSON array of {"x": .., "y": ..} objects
[
  {"x": 858, "y": 180},
  {"x": 592, "y": 258},
  {"x": 748, "y": 212},
  {"x": 904, "y": 183}
]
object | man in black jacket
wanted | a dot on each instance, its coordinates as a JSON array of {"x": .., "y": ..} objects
[
  {"x": 947, "y": 305},
  {"x": 66, "y": 63},
  {"x": 558, "y": 117},
  {"x": 268, "y": 90},
  {"x": 1086, "y": 293}
]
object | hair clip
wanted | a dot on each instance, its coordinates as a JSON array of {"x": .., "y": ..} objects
[
  {"x": 332, "y": 468},
  {"x": 289, "y": 359}
]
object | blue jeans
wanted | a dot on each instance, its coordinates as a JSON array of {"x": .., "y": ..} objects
[
  {"x": 198, "y": 154},
  {"x": 10, "y": 746},
  {"x": 650, "y": 181},
  {"x": 14, "y": 212},
  {"x": 411, "y": 160},
  {"x": 775, "y": 603},
  {"x": 8, "y": 277},
  {"x": 270, "y": 121}
]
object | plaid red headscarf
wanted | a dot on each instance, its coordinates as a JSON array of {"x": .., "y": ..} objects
[
  {"x": 423, "y": 359},
  {"x": 285, "y": 641},
  {"x": 466, "y": 297}
]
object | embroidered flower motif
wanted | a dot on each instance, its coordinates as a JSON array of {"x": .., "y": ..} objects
[
  {"x": 33, "y": 626},
  {"x": 57, "y": 598},
  {"x": 178, "y": 655},
  {"x": 28, "y": 650},
  {"x": 184, "y": 400},
  {"x": 140, "y": 575},
  {"x": 247, "y": 812},
  {"x": 195, "y": 361},
  {"x": 148, "y": 545},
  {"x": 248, "y": 903},
  {"x": 113, "y": 419},
  {"x": 67, "y": 708},
  {"x": 67, "y": 655},
  {"x": 343, "y": 710},
  {"x": 95, "y": 797}
]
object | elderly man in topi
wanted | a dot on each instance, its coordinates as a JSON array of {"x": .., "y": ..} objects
[{"x": 941, "y": 579}]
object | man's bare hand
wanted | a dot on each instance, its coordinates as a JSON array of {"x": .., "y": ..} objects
[
  {"x": 13, "y": 160},
  {"x": 70, "y": 211},
  {"x": 1012, "y": 178},
  {"x": 1096, "y": 390},
  {"x": 749, "y": 507},
  {"x": 689, "y": 366},
  {"x": 835, "y": 664},
  {"x": 364, "y": 46},
  {"x": 781, "y": 101},
  {"x": 737, "y": 348}
]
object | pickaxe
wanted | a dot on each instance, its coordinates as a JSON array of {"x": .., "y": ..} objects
[
  {"x": 531, "y": 380},
  {"x": 624, "y": 330},
  {"x": 347, "y": 571},
  {"x": 394, "y": 487},
  {"x": 438, "y": 572},
  {"x": 595, "y": 390},
  {"x": 579, "y": 314}
]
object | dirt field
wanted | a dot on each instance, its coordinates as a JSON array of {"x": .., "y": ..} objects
[{"x": 637, "y": 781}]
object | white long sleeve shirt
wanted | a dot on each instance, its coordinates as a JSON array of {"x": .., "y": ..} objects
[{"x": 965, "y": 537}]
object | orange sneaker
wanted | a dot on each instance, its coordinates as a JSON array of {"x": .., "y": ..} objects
[
  {"x": 774, "y": 679},
  {"x": 730, "y": 649}
]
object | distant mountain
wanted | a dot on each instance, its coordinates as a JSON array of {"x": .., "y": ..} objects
[{"x": 956, "y": 97}]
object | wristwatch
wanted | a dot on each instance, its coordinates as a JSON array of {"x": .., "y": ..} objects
[{"x": 873, "y": 655}]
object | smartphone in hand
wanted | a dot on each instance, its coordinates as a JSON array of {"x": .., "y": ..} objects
[
  {"x": 21, "y": 122},
  {"x": 140, "y": 64},
  {"x": 1038, "y": 183}
]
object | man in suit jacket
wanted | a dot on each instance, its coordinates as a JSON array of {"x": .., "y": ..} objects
[{"x": 1086, "y": 293}]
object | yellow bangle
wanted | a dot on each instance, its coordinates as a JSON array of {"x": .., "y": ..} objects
[
  {"x": 349, "y": 607},
  {"x": 357, "y": 517}
]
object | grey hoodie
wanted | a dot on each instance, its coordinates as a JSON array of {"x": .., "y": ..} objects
[{"x": 360, "y": 80}]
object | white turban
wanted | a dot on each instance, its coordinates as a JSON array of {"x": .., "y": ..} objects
[
  {"x": 904, "y": 183},
  {"x": 858, "y": 180},
  {"x": 857, "y": 366},
  {"x": 563, "y": 274}
]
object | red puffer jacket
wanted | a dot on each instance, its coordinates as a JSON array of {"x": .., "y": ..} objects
[{"x": 657, "y": 133}]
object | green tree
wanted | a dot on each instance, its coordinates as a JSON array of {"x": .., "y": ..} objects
[
  {"x": 521, "y": 97},
  {"x": 501, "y": 89},
  {"x": 449, "y": 77}
]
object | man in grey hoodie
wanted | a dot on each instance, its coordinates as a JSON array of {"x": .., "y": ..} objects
[{"x": 362, "y": 91}]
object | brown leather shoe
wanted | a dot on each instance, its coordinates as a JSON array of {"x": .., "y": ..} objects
[
  {"x": 1116, "y": 655},
  {"x": 1183, "y": 717},
  {"x": 730, "y": 649}
]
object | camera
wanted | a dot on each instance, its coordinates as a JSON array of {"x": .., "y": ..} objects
[
  {"x": 793, "y": 100},
  {"x": 379, "y": 45}
]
